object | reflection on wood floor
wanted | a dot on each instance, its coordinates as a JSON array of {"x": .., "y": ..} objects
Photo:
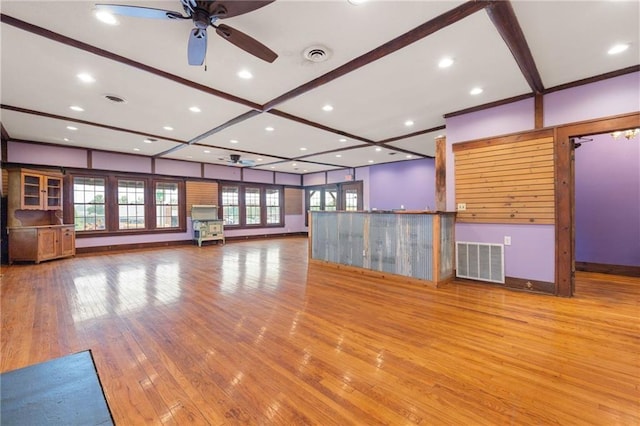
[{"x": 247, "y": 333}]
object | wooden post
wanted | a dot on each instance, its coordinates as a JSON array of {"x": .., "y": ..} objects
[{"x": 441, "y": 173}]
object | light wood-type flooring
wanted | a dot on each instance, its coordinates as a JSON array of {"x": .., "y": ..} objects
[{"x": 248, "y": 333}]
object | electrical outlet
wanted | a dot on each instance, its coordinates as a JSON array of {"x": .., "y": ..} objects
[
  {"x": 462, "y": 206},
  {"x": 507, "y": 240}
]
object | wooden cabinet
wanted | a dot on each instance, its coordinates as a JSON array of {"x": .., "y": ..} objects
[
  {"x": 37, "y": 191},
  {"x": 38, "y": 243},
  {"x": 34, "y": 217}
]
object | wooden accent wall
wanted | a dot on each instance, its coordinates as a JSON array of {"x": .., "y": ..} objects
[
  {"x": 293, "y": 200},
  {"x": 5, "y": 182},
  {"x": 201, "y": 193},
  {"x": 507, "y": 179}
]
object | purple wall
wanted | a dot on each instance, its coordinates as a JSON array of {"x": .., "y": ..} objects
[
  {"x": 18, "y": 152},
  {"x": 120, "y": 162},
  {"x": 609, "y": 97},
  {"x": 607, "y": 198},
  {"x": 177, "y": 168},
  {"x": 407, "y": 183}
]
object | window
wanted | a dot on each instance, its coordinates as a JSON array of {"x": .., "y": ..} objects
[
  {"x": 273, "y": 206},
  {"x": 230, "y": 205},
  {"x": 89, "y": 204},
  {"x": 131, "y": 211},
  {"x": 340, "y": 196},
  {"x": 167, "y": 206},
  {"x": 252, "y": 205},
  {"x": 131, "y": 204}
]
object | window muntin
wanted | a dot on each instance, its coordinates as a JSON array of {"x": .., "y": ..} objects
[
  {"x": 89, "y": 209},
  {"x": 315, "y": 199},
  {"x": 230, "y": 205},
  {"x": 331, "y": 200},
  {"x": 131, "y": 210},
  {"x": 351, "y": 200},
  {"x": 167, "y": 205}
]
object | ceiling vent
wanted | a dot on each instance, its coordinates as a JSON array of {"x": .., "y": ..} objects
[
  {"x": 114, "y": 98},
  {"x": 316, "y": 54}
]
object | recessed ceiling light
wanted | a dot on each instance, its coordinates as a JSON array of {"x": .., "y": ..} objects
[
  {"x": 195, "y": 109},
  {"x": 269, "y": 129},
  {"x": 168, "y": 128},
  {"x": 305, "y": 170},
  {"x": 342, "y": 140},
  {"x": 303, "y": 149},
  {"x": 136, "y": 149},
  {"x": 72, "y": 128},
  {"x": 618, "y": 48},
  {"x": 76, "y": 108},
  {"x": 370, "y": 161},
  {"x": 338, "y": 155},
  {"x": 86, "y": 77},
  {"x": 233, "y": 141},
  {"x": 476, "y": 91},
  {"x": 66, "y": 139},
  {"x": 294, "y": 165},
  {"x": 273, "y": 167},
  {"x": 206, "y": 151},
  {"x": 408, "y": 123},
  {"x": 327, "y": 108},
  {"x": 150, "y": 140},
  {"x": 378, "y": 149},
  {"x": 245, "y": 74},
  {"x": 445, "y": 62},
  {"x": 189, "y": 156},
  {"x": 258, "y": 159},
  {"x": 106, "y": 17},
  {"x": 409, "y": 156}
]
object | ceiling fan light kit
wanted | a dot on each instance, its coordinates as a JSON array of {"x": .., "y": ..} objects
[{"x": 204, "y": 14}]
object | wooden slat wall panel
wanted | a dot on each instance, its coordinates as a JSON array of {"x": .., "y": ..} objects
[
  {"x": 506, "y": 182},
  {"x": 201, "y": 193},
  {"x": 293, "y": 200},
  {"x": 5, "y": 182}
]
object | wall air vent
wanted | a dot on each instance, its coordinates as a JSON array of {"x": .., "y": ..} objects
[{"x": 480, "y": 261}]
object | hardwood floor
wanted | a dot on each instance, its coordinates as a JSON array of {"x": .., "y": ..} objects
[{"x": 247, "y": 333}]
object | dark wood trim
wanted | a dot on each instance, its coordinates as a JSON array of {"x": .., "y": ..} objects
[
  {"x": 513, "y": 283},
  {"x": 594, "y": 79},
  {"x": 504, "y": 19},
  {"x": 89, "y": 159},
  {"x": 233, "y": 121},
  {"x": 603, "y": 268},
  {"x": 441, "y": 174},
  {"x": 565, "y": 186},
  {"x": 304, "y": 121},
  {"x": 89, "y": 123},
  {"x": 450, "y": 17},
  {"x": 4, "y": 138},
  {"x": 405, "y": 151},
  {"x": 503, "y": 140},
  {"x": 538, "y": 111},
  {"x": 489, "y": 105},
  {"x": 410, "y": 135},
  {"x": 42, "y": 32}
]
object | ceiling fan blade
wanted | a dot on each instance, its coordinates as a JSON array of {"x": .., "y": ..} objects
[
  {"x": 140, "y": 12},
  {"x": 235, "y": 7},
  {"x": 246, "y": 43},
  {"x": 197, "y": 48}
]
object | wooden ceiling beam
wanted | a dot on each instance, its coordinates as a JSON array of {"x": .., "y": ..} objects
[
  {"x": 504, "y": 18},
  {"x": 450, "y": 17}
]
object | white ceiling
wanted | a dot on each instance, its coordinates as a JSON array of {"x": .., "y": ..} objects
[{"x": 568, "y": 41}]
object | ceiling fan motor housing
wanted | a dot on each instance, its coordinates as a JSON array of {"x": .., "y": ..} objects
[{"x": 235, "y": 157}]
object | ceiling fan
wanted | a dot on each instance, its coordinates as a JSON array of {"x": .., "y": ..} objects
[
  {"x": 204, "y": 14},
  {"x": 234, "y": 159}
]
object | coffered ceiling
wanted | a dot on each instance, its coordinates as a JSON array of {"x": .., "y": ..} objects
[{"x": 380, "y": 75}]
